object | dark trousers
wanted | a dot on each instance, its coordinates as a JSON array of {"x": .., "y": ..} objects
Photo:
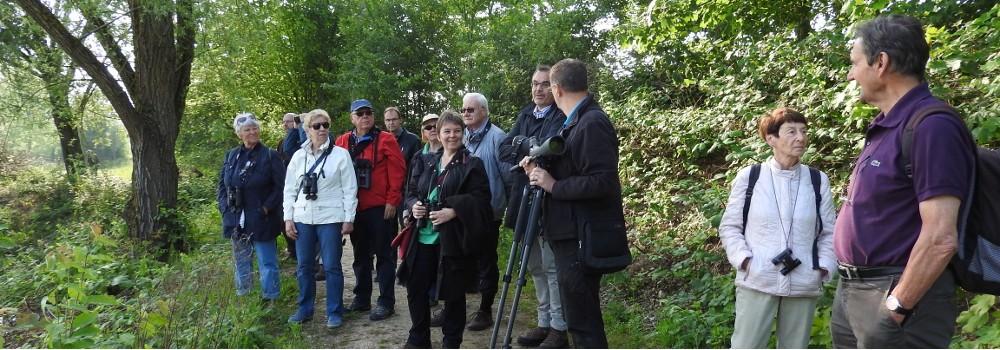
[
  {"x": 423, "y": 275},
  {"x": 371, "y": 235},
  {"x": 581, "y": 298},
  {"x": 861, "y": 320},
  {"x": 488, "y": 273}
]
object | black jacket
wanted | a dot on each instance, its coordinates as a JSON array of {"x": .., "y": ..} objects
[
  {"x": 527, "y": 125},
  {"x": 260, "y": 186},
  {"x": 586, "y": 175}
]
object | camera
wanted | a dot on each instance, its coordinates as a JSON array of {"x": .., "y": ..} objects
[
  {"x": 532, "y": 146},
  {"x": 431, "y": 206},
  {"x": 309, "y": 186},
  {"x": 234, "y": 197},
  {"x": 297, "y": 120},
  {"x": 786, "y": 259},
  {"x": 363, "y": 170}
]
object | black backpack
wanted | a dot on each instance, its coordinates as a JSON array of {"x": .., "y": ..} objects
[
  {"x": 976, "y": 264},
  {"x": 814, "y": 176}
]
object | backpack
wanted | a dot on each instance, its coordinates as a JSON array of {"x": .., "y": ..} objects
[
  {"x": 976, "y": 264},
  {"x": 814, "y": 176}
]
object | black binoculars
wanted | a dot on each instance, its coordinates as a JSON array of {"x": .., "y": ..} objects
[
  {"x": 786, "y": 259},
  {"x": 309, "y": 186},
  {"x": 363, "y": 170},
  {"x": 234, "y": 197},
  {"x": 431, "y": 206}
]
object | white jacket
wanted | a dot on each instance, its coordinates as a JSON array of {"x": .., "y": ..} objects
[
  {"x": 337, "y": 196},
  {"x": 765, "y": 239}
]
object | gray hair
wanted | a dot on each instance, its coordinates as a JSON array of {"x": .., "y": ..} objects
[
  {"x": 479, "y": 99},
  {"x": 900, "y": 37},
  {"x": 248, "y": 119}
]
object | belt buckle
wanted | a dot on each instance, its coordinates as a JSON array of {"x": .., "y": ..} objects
[{"x": 850, "y": 272}]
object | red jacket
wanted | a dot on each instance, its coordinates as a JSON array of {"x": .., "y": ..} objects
[{"x": 388, "y": 173}]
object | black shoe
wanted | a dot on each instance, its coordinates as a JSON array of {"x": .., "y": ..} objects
[
  {"x": 357, "y": 306},
  {"x": 320, "y": 274},
  {"x": 481, "y": 320},
  {"x": 534, "y": 336},
  {"x": 381, "y": 313},
  {"x": 438, "y": 319}
]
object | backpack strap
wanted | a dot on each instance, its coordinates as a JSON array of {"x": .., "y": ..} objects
[
  {"x": 912, "y": 125},
  {"x": 814, "y": 176},
  {"x": 754, "y": 175}
]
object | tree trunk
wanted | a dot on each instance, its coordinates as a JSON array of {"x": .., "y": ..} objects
[{"x": 62, "y": 116}]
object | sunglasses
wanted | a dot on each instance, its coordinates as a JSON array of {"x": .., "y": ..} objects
[
  {"x": 468, "y": 110},
  {"x": 430, "y": 127},
  {"x": 244, "y": 119},
  {"x": 325, "y": 125},
  {"x": 364, "y": 113}
]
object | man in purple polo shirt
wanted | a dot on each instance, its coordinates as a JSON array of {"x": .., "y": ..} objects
[{"x": 895, "y": 235}]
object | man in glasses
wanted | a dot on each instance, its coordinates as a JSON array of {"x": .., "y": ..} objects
[
  {"x": 542, "y": 119},
  {"x": 380, "y": 169},
  {"x": 409, "y": 144},
  {"x": 288, "y": 123},
  {"x": 483, "y": 139}
]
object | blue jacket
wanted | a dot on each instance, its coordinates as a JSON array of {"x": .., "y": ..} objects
[{"x": 260, "y": 186}]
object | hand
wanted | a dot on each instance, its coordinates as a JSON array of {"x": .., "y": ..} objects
[
  {"x": 823, "y": 273},
  {"x": 419, "y": 210},
  {"x": 290, "y": 230},
  {"x": 442, "y": 216},
  {"x": 898, "y": 318},
  {"x": 347, "y": 228},
  {"x": 390, "y": 212},
  {"x": 528, "y": 164},
  {"x": 541, "y": 178},
  {"x": 746, "y": 262}
]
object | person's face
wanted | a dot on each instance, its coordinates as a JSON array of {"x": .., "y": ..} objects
[
  {"x": 473, "y": 113},
  {"x": 867, "y": 76},
  {"x": 249, "y": 134},
  {"x": 451, "y": 136},
  {"x": 392, "y": 121},
  {"x": 540, "y": 92},
  {"x": 363, "y": 119},
  {"x": 791, "y": 141},
  {"x": 319, "y": 135},
  {"x": 288, "y": 122},
  {"x": 429, "y": 129}
]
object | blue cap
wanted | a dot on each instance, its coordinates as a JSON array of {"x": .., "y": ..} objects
[{"x": 359, "y": 104}]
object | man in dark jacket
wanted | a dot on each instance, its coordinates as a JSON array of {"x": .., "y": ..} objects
[
  {"x": 542, "y": 119},
  {"x": 287, "y": 122},
  {"x": 582, "y": 182},
  {"x": 409, "y": 144}
]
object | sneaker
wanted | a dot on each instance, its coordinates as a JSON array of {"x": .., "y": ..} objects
[
  {"x": 534, "y": 336},
  {"x": 481, "y": 320},
  {"x": 332, "y": 323},
  {"x": 381, "y": 313},
  {"x": 438, "y": 319},
  {"x": 357, "y": 306},
  {"x": 556, "y": 340},
  {"x": 300, "y": 318}
]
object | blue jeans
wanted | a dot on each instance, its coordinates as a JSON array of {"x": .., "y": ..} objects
[
  {"x": 267, "y": 263},
  {"x": 330, "y": 249}
]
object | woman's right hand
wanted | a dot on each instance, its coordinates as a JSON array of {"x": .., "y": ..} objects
[
  {"x": 290, "y": 230},
  {"x": 419, "y": 211}
]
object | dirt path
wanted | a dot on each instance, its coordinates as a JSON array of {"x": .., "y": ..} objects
[{"x": 358, "y": 332}]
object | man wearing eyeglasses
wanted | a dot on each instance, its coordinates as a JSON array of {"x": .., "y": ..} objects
[
  {"x": 542, "y": 119},
  {"x": 409, "y": 144},
  {"x": 380, "y": 169},
  {"x": 483, "y": 139},
  {"x": 288, "y": 123}
]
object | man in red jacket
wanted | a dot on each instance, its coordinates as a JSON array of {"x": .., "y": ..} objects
[{"x": 380, "y": 169}]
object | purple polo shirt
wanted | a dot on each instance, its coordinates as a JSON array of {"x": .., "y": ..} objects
[{"x": 879, "y": 221}]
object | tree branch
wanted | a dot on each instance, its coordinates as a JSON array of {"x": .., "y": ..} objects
[
  {"x": 185, "y": 50},
  {"x": 115, "y": 54}
]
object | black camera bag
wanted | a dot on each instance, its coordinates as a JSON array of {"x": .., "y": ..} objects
[{"x": 603, "y": 242}]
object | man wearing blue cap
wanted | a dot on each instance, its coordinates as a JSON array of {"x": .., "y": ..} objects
[{"x": 380, "y": 169}]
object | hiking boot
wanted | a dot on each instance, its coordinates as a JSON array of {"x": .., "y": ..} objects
[
  {"x": 481, "y": 320},
  {"x": 438, "y": 319},
  {"x": 381, "y": 313},
  {"x": 556, "y": 340},
  {"x": 357, "y": 306},
  {"x": 534, "y": 336},
  {"x": 332, "y": 323}
]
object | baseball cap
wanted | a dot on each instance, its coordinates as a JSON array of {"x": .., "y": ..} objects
[
  {"x": 359, "y": 104},
  {"x": 431, "y": 116}
]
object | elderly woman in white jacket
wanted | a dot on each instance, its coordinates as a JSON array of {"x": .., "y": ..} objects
[
  {"x": 781, "y": 227},
  {"x": 320, "y": 199}
]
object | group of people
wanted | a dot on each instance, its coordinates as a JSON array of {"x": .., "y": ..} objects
[
  {"x": 897, "y": 227},
  {"x": 452, "y": 193}
]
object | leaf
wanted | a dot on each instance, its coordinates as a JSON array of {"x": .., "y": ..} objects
[
  {"x": 156, "y": 319},
  {"x": 102, "y": 299},
  {"x": 84, "y": 319},
  {"x": 6, "y": 243},
  {"x": 87, "y": 331}
]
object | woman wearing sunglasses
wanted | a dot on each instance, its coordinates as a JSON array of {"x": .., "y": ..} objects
[
  {"x": 320, "y": 199},
  {"x": 249, "y": 195}
]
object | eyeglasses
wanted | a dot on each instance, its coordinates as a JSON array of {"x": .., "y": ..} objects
[
  {"x": 543, "y": 84},
  {"x": 468, "y": 110},
  {"x": 245, "y": 118},
  {"x": 430, "y": 127},
  {"x": 552, "y": 86},
  {"x": 364, "y": 113},
  {"x": 325, "y": 125}
]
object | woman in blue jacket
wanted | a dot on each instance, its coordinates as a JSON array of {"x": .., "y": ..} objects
[{"x": 249, "y": 195}]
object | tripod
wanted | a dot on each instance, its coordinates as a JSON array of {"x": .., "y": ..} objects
[{"x": 525, "y": 230}]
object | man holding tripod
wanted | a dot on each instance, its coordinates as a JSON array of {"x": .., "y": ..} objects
[
  {"x": 582, "y": 182},
  {"x": 542, "y": 119}
]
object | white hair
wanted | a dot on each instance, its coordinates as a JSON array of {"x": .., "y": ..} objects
[
  {"x": 250, "y": 119},
  {"x": 479, "y": 98}
]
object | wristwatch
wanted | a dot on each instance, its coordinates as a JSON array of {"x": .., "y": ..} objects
[{"x": 893, "y": 305}]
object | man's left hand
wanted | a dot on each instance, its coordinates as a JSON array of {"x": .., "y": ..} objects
[
  {"x": 390, "y": 212},
  {"x": 541, "y": 178}
]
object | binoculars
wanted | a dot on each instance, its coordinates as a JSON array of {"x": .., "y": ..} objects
[
  {"x": 234, "y": 197},
  {"x": 785, "y": 258},
  {"x": 363, "y": 170},
  {"x": 309, "y": 186},
  {"x": 431, "y": 206}
]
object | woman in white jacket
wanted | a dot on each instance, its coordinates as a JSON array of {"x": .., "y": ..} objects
[
  {"x": 320, "y": 199},
  {"x": 781, "y": 228}
]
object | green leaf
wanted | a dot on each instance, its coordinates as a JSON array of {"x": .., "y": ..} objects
[
  {"x": 84, "y": 319},
  {"x": 87, "y": 331},
  {"x": 6, "y": 243},
  {"x": 156, "y": 319},
  {"x": 102, "y": 299}
]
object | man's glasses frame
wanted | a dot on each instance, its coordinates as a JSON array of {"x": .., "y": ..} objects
[{"x": 362, "y": 113}]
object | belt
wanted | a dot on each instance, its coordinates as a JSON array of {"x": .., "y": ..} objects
[{"x": 857, "y": 272}]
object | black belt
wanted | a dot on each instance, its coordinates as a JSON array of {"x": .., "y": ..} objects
[{"x": 857, "y": 272}]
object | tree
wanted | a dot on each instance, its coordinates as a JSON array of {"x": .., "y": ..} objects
[{"x": 149, "y": 98}]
